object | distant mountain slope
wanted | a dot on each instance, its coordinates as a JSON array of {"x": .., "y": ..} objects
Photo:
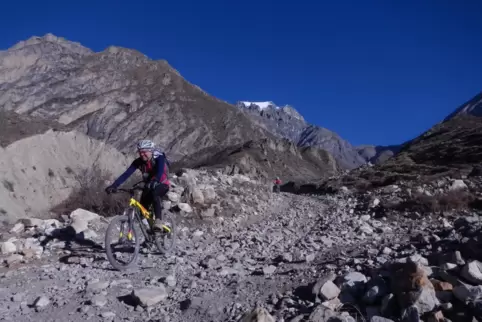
[
  {"x": 471, "y": 107},
  {"x": 377, "y": 154},
  {"x": 452, "y": 148},
  {"x": 117, "y": 95},
  {"x": 286, "y": 122},
  {"x": 266, "y": 158}
]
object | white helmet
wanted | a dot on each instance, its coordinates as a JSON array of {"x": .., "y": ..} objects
[{"x": 145, "y": 144}]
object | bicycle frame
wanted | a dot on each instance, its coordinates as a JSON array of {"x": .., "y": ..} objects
[{"x": 145, "y": 213}]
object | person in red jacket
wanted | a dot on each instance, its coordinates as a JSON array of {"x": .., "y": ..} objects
[{"x": 277, "y": 183}]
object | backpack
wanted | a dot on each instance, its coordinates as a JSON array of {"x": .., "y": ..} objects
[{"x": 157, "y": 153}]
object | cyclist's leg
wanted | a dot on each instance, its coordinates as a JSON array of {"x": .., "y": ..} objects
[
  {"x": 157, "y": 194},
  {"x": 146, "y": 198}
]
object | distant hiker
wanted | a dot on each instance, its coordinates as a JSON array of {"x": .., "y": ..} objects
[
  {"x": 277, "y": 184},
  {"x": 154, "y": 167}
]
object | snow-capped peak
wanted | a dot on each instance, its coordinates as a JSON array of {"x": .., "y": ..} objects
[{"x": 261, "y": 105}]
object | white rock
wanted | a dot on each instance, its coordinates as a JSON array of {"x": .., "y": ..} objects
[
  {"x": 79, "y": 225},
  {"x": 376, "y": 202},
  {"x": 42, "y": 301},
  {"x": 185, "y": 207},
  {"x": 329, "y": 290},
  {"x": 17, "y": 228},
  {"x": 257, "y": 315},
  {"x": 458, "y": 185},
  {"x": 8, "y": 248},
  {"x": 84, "y": 215},
  {"x": 209, "y": 194},
  {"x": 210, "y": 212},
  {"x": 150, "y": 296},
  {"x": 471, "y": 272},
  {"x": 172, "y": 196},
  {"x": 197, "y": 196}
]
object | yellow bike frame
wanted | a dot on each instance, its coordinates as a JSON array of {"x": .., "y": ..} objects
[{"x": 146, "y": 214}]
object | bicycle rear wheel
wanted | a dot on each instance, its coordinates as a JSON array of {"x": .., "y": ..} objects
[
  {"x": 127, "y": 236},
  {"x": 166, "y": 238}
]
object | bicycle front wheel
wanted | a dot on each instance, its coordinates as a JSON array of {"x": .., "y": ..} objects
[{"x": 122, "y": 242}]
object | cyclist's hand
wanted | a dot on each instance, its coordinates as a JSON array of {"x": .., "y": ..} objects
[
  {"x": 152, "y": 184},
  {"x": 110, "y": 189}
]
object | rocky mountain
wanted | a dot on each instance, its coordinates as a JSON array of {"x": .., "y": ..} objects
[
  {"x": 398, "y": 241},
  {"x": 471, "y": 107},
  {"x": 286, "y": 122},
  {"x": 245, "y": 254},
  {"x": 450, "y": 149},
  {"x": 266, "y": 159},
  {"x": 377, "y": 153},
  {"x": 118, "y": 96},
  {"x": 39, "y": 171}
]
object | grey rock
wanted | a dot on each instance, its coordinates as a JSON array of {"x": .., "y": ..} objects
[
  {"x": 96, "y": 287},
  {"x": 257, "y": 315},
  {"x": 377, "y": 288},
  {"x": 8, "y": 248},
  {"x": 268, "y": 270},
  {"x": 471, "y": 272},
  {"x": 98, "y": 300},
  {"x": 41, "y": 302},
  {"x": 354, "y": 282},
  {"x": 310, "y": 257},
  {"x": 321, "y": 314},
  {"x": 380, "y": 319},
  {"x": 108, "y": 315},
  {"x": 171, "y": 280},
  {"x": 14, "y": 258},
  {"x": 185, "y": 207},
  {"x": 467, "y": 292},
  {"x": 329, "y": 290},
  {"x": 149, "y": 296}
]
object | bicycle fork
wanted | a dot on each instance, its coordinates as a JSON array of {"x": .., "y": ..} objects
[{"x": 129, "y": 223}]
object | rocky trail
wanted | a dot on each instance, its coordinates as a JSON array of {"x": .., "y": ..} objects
[{"x": 296, "y": 258}]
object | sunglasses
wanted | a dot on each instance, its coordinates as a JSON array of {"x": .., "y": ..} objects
[{"x": 144, "y": 151}]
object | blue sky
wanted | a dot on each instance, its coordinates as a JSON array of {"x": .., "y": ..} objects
[{"x": 376, "y": 72}]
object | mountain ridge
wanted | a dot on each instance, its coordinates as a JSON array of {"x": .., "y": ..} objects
[
  {"x": 109, "y": 94},
  {"x": 118, "y": 96},
  {"x": 287, "y": 122}
]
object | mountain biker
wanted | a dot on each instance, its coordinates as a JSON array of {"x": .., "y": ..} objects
[
  {"x": 277, "y": 183},
  {"x": 154, "y": 168}
]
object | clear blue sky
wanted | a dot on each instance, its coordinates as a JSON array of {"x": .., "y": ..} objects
[{"x": 376, "y": 72}]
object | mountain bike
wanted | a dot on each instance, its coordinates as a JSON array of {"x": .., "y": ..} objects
[{"x": 128, "y": 235}]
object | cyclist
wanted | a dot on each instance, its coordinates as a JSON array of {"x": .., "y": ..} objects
[{"x": 154, "y": 168}]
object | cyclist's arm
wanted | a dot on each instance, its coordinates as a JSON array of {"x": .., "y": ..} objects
[{"x": 123, "y": 177}]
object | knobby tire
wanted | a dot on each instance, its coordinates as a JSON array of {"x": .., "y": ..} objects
[{"x": 110, "y": 255}]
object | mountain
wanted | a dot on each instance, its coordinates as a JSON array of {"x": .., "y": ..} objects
[
  {"x": 377, "y": 153},
  {"x": 450, "y": 149},
  {"x": 286, "y": 122},
  {"x": 471, "y": 107},
  {"x": 43, "y": 169},
  {"x": 266, "y": 159},
  {"x": 118, "y": 96}
]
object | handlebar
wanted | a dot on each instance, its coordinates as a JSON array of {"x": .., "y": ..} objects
[{"x": 131, "y": 190}]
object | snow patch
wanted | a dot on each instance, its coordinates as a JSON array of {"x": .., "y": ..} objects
[{"x": 261, "y": 105}]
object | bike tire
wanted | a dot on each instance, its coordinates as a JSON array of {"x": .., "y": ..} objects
[
  {"x": 161, "y": 242},
  {"x": 108, "y": 249}
]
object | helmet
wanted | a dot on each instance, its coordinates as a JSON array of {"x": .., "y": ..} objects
[{"x": 145, "y": 144}]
